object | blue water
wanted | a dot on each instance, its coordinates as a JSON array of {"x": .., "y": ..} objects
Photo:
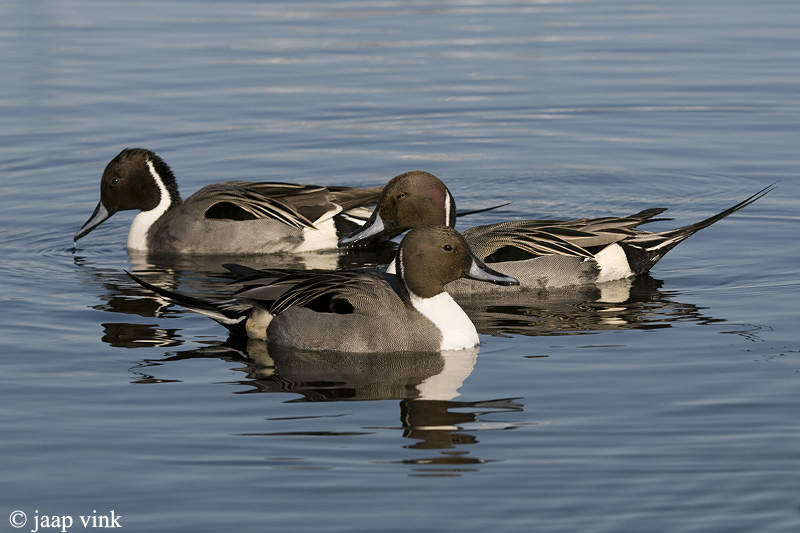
[{"x": 669, "y": 406}]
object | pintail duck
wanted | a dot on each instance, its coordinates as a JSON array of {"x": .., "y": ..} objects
[
  {"x": 363, "y": 311},
  {"x": 542, "y": 254},
  {"x": 234, "y": 217}
]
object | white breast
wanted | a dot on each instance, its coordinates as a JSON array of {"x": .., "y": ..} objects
[{"x": 457, "y": 329}]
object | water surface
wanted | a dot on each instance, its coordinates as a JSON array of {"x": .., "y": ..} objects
[{"x": 668, "y": 404}]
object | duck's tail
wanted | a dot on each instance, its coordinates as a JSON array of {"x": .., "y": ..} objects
[
  {"x": 233, "y": 314},
  {"x": 644, "y": 250}
]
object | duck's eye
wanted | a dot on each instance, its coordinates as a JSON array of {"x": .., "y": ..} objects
[
  {"x": 447, "y": 248},
  {"x": 114, "y": 181},
  {"x": 401, "y": 196}
]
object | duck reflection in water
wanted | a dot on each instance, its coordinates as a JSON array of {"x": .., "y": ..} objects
[
  {"x": 426, "y": 385},
  {"x": 631, "y": 303}
]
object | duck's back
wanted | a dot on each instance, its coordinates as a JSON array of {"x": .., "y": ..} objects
[
  {"x": 185, "y": 232},
  {"x": 544, "y": 272},
  {"x": 367, "y": 314},
  {"x": 241, "y": 218}
]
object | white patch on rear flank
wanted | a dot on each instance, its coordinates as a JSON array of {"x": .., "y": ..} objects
[
  {"x": 137, "y": 236},
  {"x": 323, "y": 237},
  {"x": 458, "y": 331},
  {"x": 257, "y": 323},
  {"x": 613, "y": 264}
]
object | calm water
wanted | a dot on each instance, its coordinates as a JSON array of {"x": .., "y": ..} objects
[{"x": 672, "y": 404}]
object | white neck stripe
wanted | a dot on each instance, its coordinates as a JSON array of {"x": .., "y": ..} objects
[{"x": 137, "y": 236}]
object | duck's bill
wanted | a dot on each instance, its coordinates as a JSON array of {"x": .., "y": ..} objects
[
  {"x": 373, "y": 231},
  {"x": 100, "y": 214},
  {"x": 479, "y": 271}
]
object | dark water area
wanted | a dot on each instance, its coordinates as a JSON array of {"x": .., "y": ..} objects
[{"x": 665, "y": 403}]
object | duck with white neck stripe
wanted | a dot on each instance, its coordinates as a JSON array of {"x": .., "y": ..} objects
[{"x": 234, "y": 217}]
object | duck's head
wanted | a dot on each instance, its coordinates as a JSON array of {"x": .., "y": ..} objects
[
  {"x": 430, "y": 257},
  {"x": 135, "y": 179},
  {"x": 410, "y": 200}
]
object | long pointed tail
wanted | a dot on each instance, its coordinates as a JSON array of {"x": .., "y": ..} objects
[
  {"x": 646, "y": 249},
  {"x": 231, "y": 313}
]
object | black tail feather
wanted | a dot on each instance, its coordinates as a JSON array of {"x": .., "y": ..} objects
[
  {"x": 482, "y": 210},
  {"x": 645, "y": 250},
  {"x": 231, "y": 314}
]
